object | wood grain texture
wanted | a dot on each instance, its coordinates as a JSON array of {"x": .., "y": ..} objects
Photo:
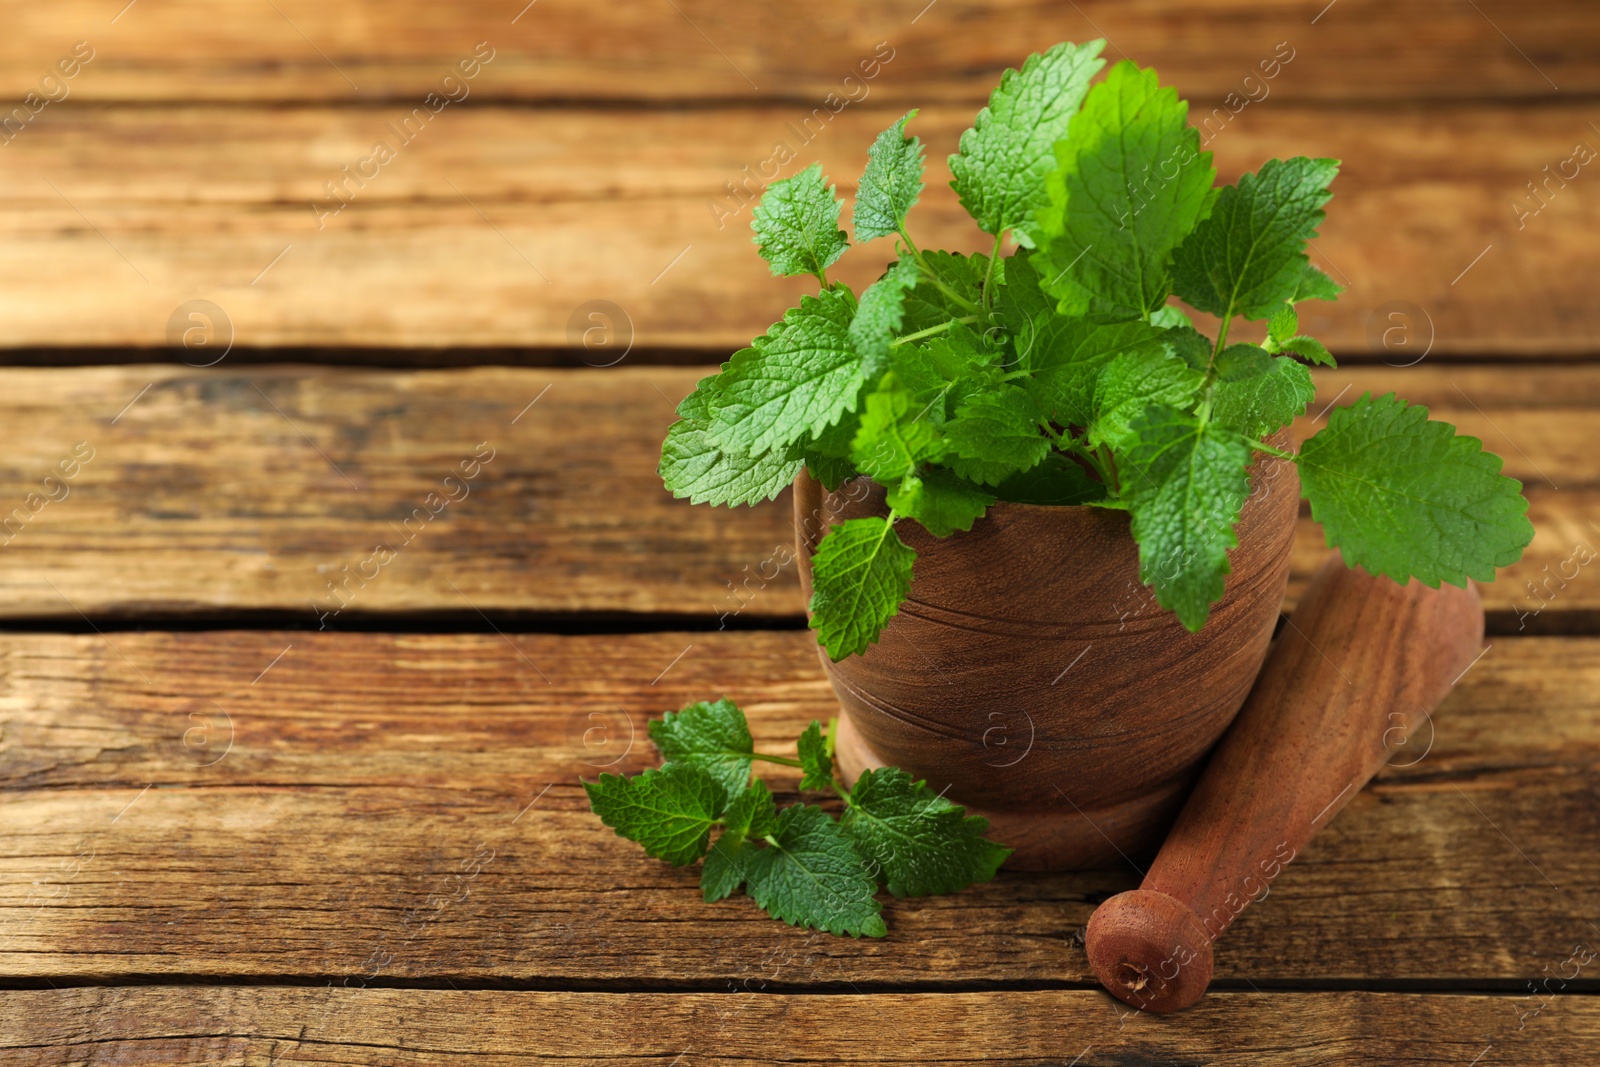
[
  {"x": 494, "y": 225},
  {"x": 1361, "y": 662},
  {"x": 406, "y": 808},
  {"x": 991, "y": 614},
  {"x": 195, "y": 1025},
  {"x": 254, "y": 488},
  {"x": 697, "y": 49}
]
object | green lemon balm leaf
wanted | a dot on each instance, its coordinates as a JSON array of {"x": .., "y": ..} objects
[
  {"x": 1067, "y": 356},
  {"x": 1186, "y": 483},
  {"x": 723, "y": 870},
  {"x": 1309, "y": 349},
  {"x": 891, "y": 183},
  {"x": 1057, "y": 482},
  {"x": 1132, "y": 382},
  {"x": 815, "y": 762},
  {"x": 694, "y": 466},
  {"x": 1283, "y": 324},
  {"x": 710, "y": 735},
  {"x": 669, "y": 811},
  {"x": 1129, "y": 185},
  {"x": 860, "y": 575},
  {"x": 880, "y": 314},
  {"x": 994, "y": 435},
  {"x": 750, "y": 814},
  {"x": 797, "y": 224},
  {"x": 895, "y": 435},
  {"x": 1171, "y": 316},
  {"x": 999, "y": 171},
  {"x": 942, "y": 502},
  {"x": 1407, "y": 497},
  {"x": 1314, "y": 285},
  {"x": 810, "y": 874},
  {"x": 794, "y": 382},
  {"x": 1249, "y": 256},
  {"x": 949, "y": 287},
  {"x": 921, "y": 843},
  {"x": 1260, "y": 406},
  {"x": 1240, "y": 361}
]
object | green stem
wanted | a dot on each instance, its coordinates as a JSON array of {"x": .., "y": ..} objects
[
  {"x": 1067, "y": 443},
  {"x": 938, "y": 282},
  {"x": 786, "y": 761},
  {"x": 931, "y": 330},
  {"x": 988, "y": 276},
  {"x": 1222, "y": 341},
  {"x": 906, "y": 237},
  {"x": 1262, "y": 446}
]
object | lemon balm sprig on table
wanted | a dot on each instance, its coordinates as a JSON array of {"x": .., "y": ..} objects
[{"x": 798, "y": 863}]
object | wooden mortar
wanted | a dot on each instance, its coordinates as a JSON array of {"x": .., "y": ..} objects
[{"x": 1032, "y": 678}]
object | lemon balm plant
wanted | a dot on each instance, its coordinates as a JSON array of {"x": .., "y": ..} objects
[{"x": 1063, "y": 373}]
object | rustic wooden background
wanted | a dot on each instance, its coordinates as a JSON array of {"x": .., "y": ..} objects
[{"x": 240, "y": 826}]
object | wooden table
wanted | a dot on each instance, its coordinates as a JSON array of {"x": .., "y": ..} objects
[{"x": 248, "y": 819}]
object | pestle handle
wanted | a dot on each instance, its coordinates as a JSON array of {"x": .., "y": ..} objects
[{"x": 1360, "y": 663}]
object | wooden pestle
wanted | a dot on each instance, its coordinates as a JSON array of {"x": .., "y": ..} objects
[{"x": 1361, "y": 662}]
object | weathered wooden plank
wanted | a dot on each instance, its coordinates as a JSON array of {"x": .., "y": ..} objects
[
  {"x": 495, "y": 225},
  {"x": 270, "y": 489},
  {"x": 197, "y": 1024},
  {"x": 562, "y": 49},
  {"x": 407, "y": 806}
]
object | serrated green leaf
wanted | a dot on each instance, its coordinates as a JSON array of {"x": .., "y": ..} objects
[
  {"x": 1314, "y": 285},
  {"x": 669, "y": 811},
  {"x": 1132, "y": 382},
  {"x": 1260, "y": 406},
  {"x": 942, "y": 502},
  {"x": 1171, "y": 316},
  {"x": 797, "y": 224},
  {"x": 1406, "y": 497},
  {"x": 880, "y": 314},
  {"x": 1019, "y": 300},
  {"x": 1057, "y": 482},
  {"x": 750, "y": 814},
  {"x": 794, "y": 382},
  {"x": 1190, "y": 345},
  {"x": 810, "y": 874},
  {"x": 1249, "y": 255},
  {"x": 994, "y": 435},
  {"x": 895, "y": 434},
  {"x": 723, "y": 869},
  {"x": 1309, "y": 348},
  {"x": 695, "y": 466},
  {"x": 921, "y": 843},
  {"x": 1067, "y": 355},
  {"x": 1283, "y": 324},
  {"x": 827, "y": 456},
  {"x": 860, "y": 575},
  {"x": 816, "y": 765},
  {"x": 999, "y": 171},
  {"x": 1240, "y": 361},
  {"x": 1130, "y": 183},
  {"x": 696, "y": 407},
  {"x": 945, "y": 371},
  {"x": 928, "y": 305},
  {"x": 891, "y": 183},
  {"x": 1185, "y": 483},
  {"x": 711, "y": 736}
]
